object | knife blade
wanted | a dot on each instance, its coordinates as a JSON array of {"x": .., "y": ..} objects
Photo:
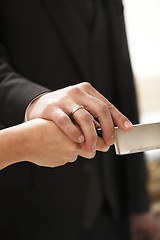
[{"x": 142, "y": 137}]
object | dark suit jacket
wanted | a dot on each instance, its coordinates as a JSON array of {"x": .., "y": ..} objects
[{"x": 43, "y": 48}]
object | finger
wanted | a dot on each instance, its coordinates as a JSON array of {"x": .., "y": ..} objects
[
  {"x": 73, "y": 158},
  {"x": 96, "y": 107},
  {"x": 88, "y": 88},
  {"x": 64, "y": 122},
  {"x": 96, "y": 124},
  {"x": 101, "y": 111},
  {"x": 118, "y": 118},
  {"x": 84, "y": 153},
  {"x": 107, "y": 126},
  {"x": 80, "y": 150},
  {"x": 101, "y": 146},
  {"x": 85, "y": 120}
]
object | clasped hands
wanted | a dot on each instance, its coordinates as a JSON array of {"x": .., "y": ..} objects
[{"x": 71, "y": 129}]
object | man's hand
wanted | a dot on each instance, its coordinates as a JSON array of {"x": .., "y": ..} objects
[
  {"x": 58, "y": 105},
  {"x": 143, "y": 227}
]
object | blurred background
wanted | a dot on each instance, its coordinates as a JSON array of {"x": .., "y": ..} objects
[{"x": 143, "y": 32}]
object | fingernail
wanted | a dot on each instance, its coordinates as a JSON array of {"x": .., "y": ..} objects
[
  {"x": 94, "y": 148},
  {"x": 81, "y": 138},
  {"x": 127, "y": 124}
]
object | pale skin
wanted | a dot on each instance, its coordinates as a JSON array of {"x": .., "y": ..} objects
[
  {"x": 59, "y": 141},
  {"x": 58, "y": 105},
  {"x": 41, "y": 142}
]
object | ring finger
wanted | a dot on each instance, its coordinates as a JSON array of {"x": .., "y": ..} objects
[{"x": 85, "y": 120}]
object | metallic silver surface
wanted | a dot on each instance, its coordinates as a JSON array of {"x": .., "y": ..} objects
[{"x": 142, "y": 137}]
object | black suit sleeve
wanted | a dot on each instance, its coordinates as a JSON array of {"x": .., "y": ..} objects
[
  {"x": 15, "y": 92},
  {"x": 138, "y": 198}
]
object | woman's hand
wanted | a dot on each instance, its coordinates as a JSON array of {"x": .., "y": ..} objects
[{"x": 45, "y": 144}]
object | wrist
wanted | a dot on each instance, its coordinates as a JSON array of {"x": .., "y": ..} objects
[
  {"x": 30, "y": 107},
  {"x": 11, "y": 145}
]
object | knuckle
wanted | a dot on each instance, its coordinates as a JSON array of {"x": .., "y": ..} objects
[
  {"x": 73, "y": 158},
  {"x": 47, "y": 107},
  {"x": 103, "y": 108},
  {"x": 86, "y": 85},
  {"x": 90, "y": 155},
  {"x": 111, "y": 106},
  {"x": 76, "y": 90},
  {"x": 63, "y": 161},
  {"x": 61, "y": 119}
]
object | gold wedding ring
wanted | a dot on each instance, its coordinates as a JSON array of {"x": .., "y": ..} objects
[{"x": 76, "y": 108}]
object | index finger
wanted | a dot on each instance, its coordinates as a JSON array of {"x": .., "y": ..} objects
[{"x": 118, "y": 118}]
